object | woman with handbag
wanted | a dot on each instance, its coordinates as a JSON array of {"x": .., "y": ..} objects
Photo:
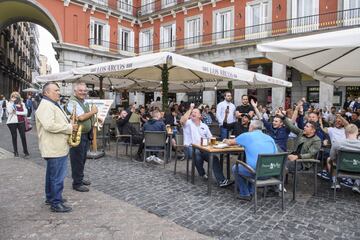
[{"x": 17, "y": 113}]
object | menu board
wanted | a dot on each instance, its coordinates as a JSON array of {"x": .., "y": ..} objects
[{"x": 103, "y": 106}]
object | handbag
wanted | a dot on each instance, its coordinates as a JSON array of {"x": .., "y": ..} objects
[{"x": 28, "y": 125}]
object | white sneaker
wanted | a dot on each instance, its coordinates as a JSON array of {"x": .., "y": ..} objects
[
  {"x": 158, "y": 160},
  {"x": 356, "y": 189},
  {"x": 150, "y": 159},
  {"x": 337, "y": 186},
  {"x": 280, "y": 188}
]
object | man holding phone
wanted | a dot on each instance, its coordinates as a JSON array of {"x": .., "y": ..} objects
[{"x": 225, "y": 108}]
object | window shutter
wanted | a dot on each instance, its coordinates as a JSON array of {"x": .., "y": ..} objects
[
  {"x": 162, "y": 40},
  {"x": 173, "y": 35},
  {"x": 248, "y": 16},
  {"x": 218, "y": 25},
  {"x": 132, "y": 43},
  {"x": 248, "y": 19},
  {"x": 264, "y": 13},
  {"x": 228, "y": 27},
  {"x": 346, "y": 4},
  {"x": 294, "y": 8},
  {"x": 120, "y": 39},
  {"x": 151, "y": 33},
  {"x": 316, "y": 7},
  {"x": 106, "y": 35},
  {"x": 141, "y": 42},
  {"x": 92, "y": 25}
]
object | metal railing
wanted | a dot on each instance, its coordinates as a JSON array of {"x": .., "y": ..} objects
[
  {"x": 293, "y": 26},
  {"x": 136, "y": 11},
  {"x": 102, "y": 45}
]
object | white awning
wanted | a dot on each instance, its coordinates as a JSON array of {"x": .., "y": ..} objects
[{"x": 332, "y": 57}]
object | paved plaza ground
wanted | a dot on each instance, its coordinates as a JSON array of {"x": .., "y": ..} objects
[{"x": 129, "y": 200}]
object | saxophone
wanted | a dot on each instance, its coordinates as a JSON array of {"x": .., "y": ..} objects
[{"x": 75, "y": 137}]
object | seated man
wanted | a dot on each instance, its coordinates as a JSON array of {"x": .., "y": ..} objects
[
  {"x": 194, "y": 130},
  {"x": 155, "y": 123},
  {"x": 276, "y": 130},
  {"x": 125, "y": 128},
  {"x": 350, "y": 143},
  {"x": 240, "y": 126},
  {"x": 264, "y": 145},
  {"x": 336, "y": 134},
  {"x": 307, "y": 143},
  {"x": 171, "y": 118}
]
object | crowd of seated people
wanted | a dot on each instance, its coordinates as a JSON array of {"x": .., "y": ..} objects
[{"x": 317, "y": 133}]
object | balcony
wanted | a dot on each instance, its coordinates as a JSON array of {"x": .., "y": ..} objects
[
  {"x": 158, "y": 5},
  {"x": 327, "y": 21},
  {"x": 124, "y": 6}
]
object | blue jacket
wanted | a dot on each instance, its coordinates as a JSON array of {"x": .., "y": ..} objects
[
  {"x": 154, "y": 125},
  {"x": 280, "y": 135}
]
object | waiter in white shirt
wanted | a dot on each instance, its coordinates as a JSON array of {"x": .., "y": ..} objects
[{"x": 222, "y": 107}]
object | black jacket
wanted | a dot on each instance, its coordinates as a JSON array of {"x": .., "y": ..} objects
[{"x": 125, "y": 127}]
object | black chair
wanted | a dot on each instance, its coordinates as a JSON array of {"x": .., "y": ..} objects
[
  {"x": 179, "y": 138},
  {"x": 123, "y": 139},
  {"x": 307, "y": 165},
  {"x": 215, "y": 130},
  {"x": 136, "y": 126},
  {"x": 347, "y": 166},
  {"x": 104, "y": 135},
  {"x": 155, "y": 141},
  {"x": 270, "y": 169}
]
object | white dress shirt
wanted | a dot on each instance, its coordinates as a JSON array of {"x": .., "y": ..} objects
[{"x": 220, "y": 112}]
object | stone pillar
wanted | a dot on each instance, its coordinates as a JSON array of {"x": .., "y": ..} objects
[
  {"x": 209, "y": 97},
  {"x": 326, "y": 92},
  {"x": 278, "y": 93},
  {"x": 181, "y": 97},
  {"x": 240, "y": 63}
]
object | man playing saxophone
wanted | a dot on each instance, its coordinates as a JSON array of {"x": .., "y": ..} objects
[
  {"x": 85, "y": 119},
  {"x": 54, "y": 129}
]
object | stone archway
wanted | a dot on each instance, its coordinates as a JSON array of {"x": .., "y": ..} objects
[{"x": 12, "y": 11}]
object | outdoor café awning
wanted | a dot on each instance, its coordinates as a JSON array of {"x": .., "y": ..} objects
[
  {"x": 332, "y": 57},
  {"x": 189, "y": 73},
  {"x": 259, "y": 80}
]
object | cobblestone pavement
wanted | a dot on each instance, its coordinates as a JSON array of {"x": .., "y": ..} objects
[{"x": 221, "y": 216}]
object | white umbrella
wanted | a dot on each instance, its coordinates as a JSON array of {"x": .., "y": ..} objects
[
  {"x": 34, "y": 90},
  {"x": 174, "y": 72},
  {"x": 259, "y": 80},
  {"x": 332, "y": 57}
]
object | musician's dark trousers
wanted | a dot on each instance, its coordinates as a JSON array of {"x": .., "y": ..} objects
[{"x": 78, "y": 159}]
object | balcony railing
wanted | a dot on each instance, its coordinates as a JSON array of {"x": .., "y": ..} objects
[
  {"x": 126, "y": 7},
  {"x": 111, "y": 46},
  {"x": 332, "y": 20}
]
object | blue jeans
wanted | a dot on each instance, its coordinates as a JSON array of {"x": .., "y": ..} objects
[
  {"x": 78, "y": 159},
  {"x": 245, "y": 188},
  {"x": 224, "y": 133},
  {"x": 54, "y": 179},
  {"x": 200, "y": 157}
]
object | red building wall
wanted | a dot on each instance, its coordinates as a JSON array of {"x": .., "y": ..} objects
[{"x": 74, "y": 23}]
